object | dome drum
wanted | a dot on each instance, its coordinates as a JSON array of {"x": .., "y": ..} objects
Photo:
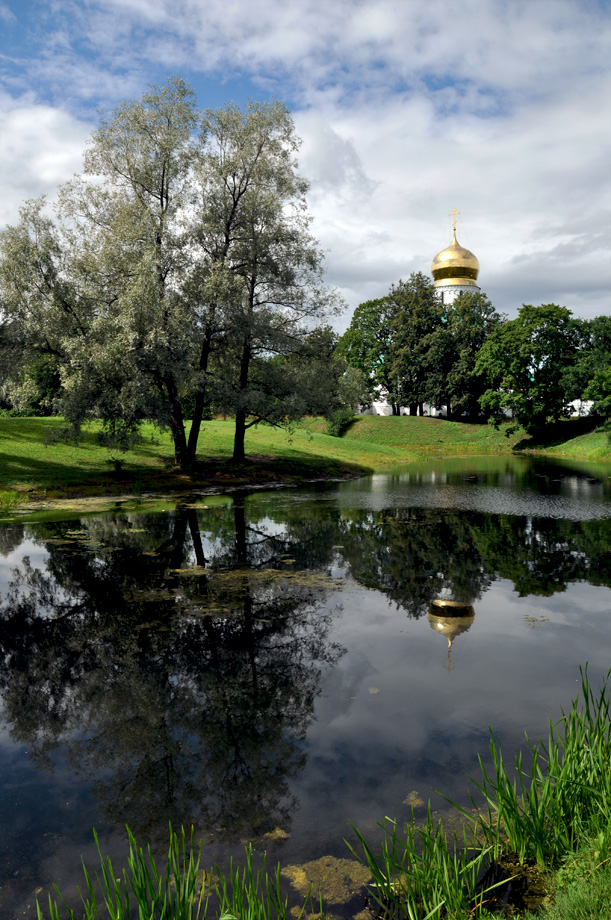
[{"x": 450, "y": 272}]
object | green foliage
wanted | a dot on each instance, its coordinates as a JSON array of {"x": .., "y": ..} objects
[
  {"x": 178, "y": 891},
  {"x": 468, "y": 322},
  {"x": 353, "y": 388},
  {"x": 566, "y": 792},
  {"x": 368, "y": 346},
  {"x": 180, "y": 264},
  {"x": 589, "y": 376},
  {"x": 599, "y": 391},
  {"x": 525, "y": 362},
  {"x": 412, "y": 349},
  {"x": 340, "y": 421},
  {"x": 418, "y": 315}
]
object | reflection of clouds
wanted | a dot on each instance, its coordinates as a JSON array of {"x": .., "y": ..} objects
[{"x": 586, "y": 503}]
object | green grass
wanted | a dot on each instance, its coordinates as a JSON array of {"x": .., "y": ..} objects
[
  {"x": 35, "y": 460},
  {"x": 593, "y": 445},
  {"x": 581, "y": 887}
]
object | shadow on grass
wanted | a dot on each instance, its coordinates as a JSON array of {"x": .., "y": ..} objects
[{"x": 558, "y": 433}]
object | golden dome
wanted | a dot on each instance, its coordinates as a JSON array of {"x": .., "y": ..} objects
[{"x": 455, "y": 265}]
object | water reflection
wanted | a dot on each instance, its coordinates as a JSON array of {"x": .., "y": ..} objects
[
  {"x": 450, "y": 619},
  {"x": 179, "y": 661},
  {"x": 185, "y": 689}
]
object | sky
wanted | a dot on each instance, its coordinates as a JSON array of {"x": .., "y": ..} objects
[{"x": 406, "y": 109}]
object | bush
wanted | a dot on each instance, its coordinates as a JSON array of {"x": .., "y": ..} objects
[{"x": 340, "y": 421}]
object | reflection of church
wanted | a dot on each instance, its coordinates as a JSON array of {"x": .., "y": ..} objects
[{"x": 454, "y": 270}]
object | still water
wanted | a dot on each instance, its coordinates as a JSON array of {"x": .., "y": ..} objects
[{"x": 270, "y": 666}]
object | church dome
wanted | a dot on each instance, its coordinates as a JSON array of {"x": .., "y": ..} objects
[{"x": 454, "y": 265}]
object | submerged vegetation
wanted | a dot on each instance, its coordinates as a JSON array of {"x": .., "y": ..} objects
[{"x": 553, "y": 817}]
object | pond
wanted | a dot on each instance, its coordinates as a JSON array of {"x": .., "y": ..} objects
[{"x": 274, "y": 666}]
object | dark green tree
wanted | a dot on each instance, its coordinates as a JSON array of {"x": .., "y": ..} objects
[
  {"x": 589, "y": 377},
  {"x": 417, "y": 316},
  {"x": 524, "y": 363},
  {"x": 454, "y": 350},
  {"x": 368, "y": 346}
]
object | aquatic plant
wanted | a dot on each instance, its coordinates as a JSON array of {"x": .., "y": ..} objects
[
  {"x": 181, "y": 891},
  {"x": 542, "y": 812},
  {"x": 10, "y": 499},
  {"x": 416, "y": 877}
]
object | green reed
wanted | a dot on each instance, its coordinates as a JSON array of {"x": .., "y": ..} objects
[
  {"x": 543, "y": 811},
  {"x": 418, "y": 877},
  {"x": 181, "y": 891}
]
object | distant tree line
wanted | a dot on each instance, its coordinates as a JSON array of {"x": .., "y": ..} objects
[
  {"x": 179, "y": 278},
  {"x": 473, "y": 362}
]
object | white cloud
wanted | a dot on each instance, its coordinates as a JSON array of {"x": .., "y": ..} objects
[
  {"x": 406, "y": 109},
  {"x": 40, "y": 147}
]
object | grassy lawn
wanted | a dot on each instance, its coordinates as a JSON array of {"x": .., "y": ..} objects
[{"x": 34, "y": 459}]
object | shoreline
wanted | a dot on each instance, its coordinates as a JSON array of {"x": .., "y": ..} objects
[{"x": 134, "y": 493}]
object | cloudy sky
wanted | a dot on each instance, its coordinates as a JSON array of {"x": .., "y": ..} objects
[{"x": 406, "y": 109}]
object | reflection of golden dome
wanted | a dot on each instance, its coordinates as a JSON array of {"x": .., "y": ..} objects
[
  {"x": 451, "y": 619},
  {"x": 455, "y": 265}
]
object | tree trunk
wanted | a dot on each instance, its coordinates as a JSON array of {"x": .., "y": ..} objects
[
  {"x": 177, "y": 427},
  {"x": 196, "y": 537},
  {"x": 413, "y": 408},
  {"x": 420, "y": 408},
  {"x": 240, "y": 417},
  {"x": 200, "y": 401},
  {"x": 239, "y": 455}
]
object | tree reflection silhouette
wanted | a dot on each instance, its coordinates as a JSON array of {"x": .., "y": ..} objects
[
  {"x": 413, "y": 555},
  {"x": 183, "y": 690}
]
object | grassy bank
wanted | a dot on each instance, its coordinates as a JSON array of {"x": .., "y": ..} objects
[
  {"x": 545, "y": 826},
  {"x": 36, "y": 461},
  {"x": 430, "y": 437}
]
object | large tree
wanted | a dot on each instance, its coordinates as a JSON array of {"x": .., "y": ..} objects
[
  {"x": 418, "y": 314},
  {"x": 255, "y": 224},
  {"x": 525, "y": 362},
  {"x": 454, "y": 347},
  {"x": 368, "y": 346},
  {"x": 180, "y": 258},
  {"x": 589, "y": 377}
]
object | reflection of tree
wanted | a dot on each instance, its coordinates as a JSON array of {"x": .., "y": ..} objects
[
  {"x": 183, "y": 685},
  {"x": 543, "y": 555},
  {"x": 413, "y": 555},
  {"x": 178, "y": 657},
  {"x": 11, "y": 536}
]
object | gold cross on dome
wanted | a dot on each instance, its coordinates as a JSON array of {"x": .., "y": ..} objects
[{"x": 453, "y": 214}]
